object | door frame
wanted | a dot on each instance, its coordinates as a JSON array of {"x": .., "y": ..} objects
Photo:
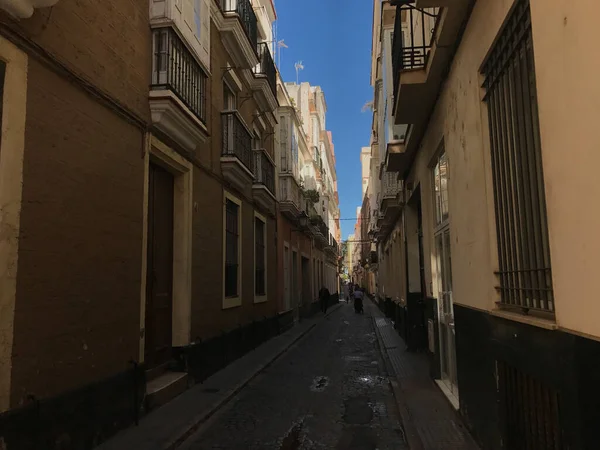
[
  {"x": 182, "y": 169},
  {"x": 443, "y": 271}
]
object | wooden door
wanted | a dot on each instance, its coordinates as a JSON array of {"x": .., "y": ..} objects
[{"x": 159, "y": 275}]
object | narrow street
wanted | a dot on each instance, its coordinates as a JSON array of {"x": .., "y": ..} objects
[{"x": 330, "y": 391}]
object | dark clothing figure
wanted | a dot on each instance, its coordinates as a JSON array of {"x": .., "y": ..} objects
[{"x": 324, "y": 297}]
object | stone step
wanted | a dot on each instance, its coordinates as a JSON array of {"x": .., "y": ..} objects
[{"x": 164, "y": 388}]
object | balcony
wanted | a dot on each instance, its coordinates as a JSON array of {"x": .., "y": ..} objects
[
  {"x": 290, "y": 198},
  {"x": 332, "y": 246},
  {"x": 324, "y": 232},
  {"x": 264, "y": 81},
  {"x": 266, "y": 67},
  {"x": 391, "y": 190},
  {"x": 425, "y": 36},
  {"x": 414, "y": 32},
  {"x": 236, "y": 154},
  {"x": 237, "y": 23},
  {"x": 177, "y": 91},
  {"x": 264, "y": 180}
]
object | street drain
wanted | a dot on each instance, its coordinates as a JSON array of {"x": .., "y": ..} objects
[
  {"x": 358, "y": 411},
  {"x": 319, "y": 384}
]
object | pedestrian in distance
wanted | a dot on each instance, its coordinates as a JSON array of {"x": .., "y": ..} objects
[
  {"x": 324, "y": 297},
  {"x": 346, "y": 292},
  {"x": 358, "y": 300}
]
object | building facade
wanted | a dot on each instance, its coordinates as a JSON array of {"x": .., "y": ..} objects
[
  {"x": 482, "y": 259},
  {"x": 138, "y": 190},
  {"x": 319, "y": 184}
]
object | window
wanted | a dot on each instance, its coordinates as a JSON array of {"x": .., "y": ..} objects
[
  {"x": 283, "y": 139},
  {"x": 440, "y": 175},
  {"x": 260, "y": 256},
  {"x": 229, "y": 98},
  {"x": 525, "y": 280},
  {"x": 443, "y": 269},
  {"x": 232, "y": 248}
]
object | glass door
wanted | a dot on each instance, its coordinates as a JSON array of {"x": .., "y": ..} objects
[{"x": 443, "y": 264}]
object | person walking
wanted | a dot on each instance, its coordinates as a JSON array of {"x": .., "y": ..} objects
[
  {"x": 359, "y": 299},
  {"x": 346, "y": 292},
  {"x": 324, "y": 297}
]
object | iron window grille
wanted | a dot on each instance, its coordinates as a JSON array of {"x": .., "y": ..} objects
[
  {"x": 175, "y": 68},
  {"x": 529, "y": 411},
  {"x": 237, "y": 140},
  {"x": 232, "y": 237},
  {"x": 525, "y": 279},
  {"x": 260, "y": 270}
]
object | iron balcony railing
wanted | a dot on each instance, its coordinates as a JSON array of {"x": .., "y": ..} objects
[
  {"x": 414, "y": 30},
  {"x": 175, "y": 68},
  {"x": 243, "y": 8},
  {"x": 324, "y": 229},
  {"x": 266, "y": 66},
  {"x": 264, "y": 170},
  {"x": 237, "y": 140},
  {"x": 289, "y": 191},
  {"x": 390, "y": 185}
]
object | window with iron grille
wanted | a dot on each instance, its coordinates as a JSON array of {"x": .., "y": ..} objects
[
  {"x": 232, "y": 245},
  {"x": 525, "y": 280},
  {"x": 260, "y": 266},
  {"x": 529, "y": 411}
]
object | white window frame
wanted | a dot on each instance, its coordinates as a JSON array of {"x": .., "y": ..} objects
[
  {"x": 232, "y": 302},
  {"x": 230, "y": 103},
  {"x": 261, "y": 298}
]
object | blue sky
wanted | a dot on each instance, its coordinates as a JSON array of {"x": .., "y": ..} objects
[{"x": 332, "y": 38}]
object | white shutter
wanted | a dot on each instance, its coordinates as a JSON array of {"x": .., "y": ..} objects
[{"x": 205, "y": 31}]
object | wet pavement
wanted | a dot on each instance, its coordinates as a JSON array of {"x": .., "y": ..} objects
[{"x": 330, "y": 391}]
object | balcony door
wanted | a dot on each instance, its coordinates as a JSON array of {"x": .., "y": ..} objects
[{"x": 443, "y": 267}]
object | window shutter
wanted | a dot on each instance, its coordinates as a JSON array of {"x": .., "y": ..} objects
[{"x": 205, "y": 31}]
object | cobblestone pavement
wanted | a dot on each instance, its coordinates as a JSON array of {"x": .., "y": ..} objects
[{"x": 330, "y": 391}]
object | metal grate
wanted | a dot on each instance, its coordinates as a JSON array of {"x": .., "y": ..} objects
[
  {"x": 530, "y": 411},
  {"x": 175, "y": 68},
  {"x": 525, "y": 280}
]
